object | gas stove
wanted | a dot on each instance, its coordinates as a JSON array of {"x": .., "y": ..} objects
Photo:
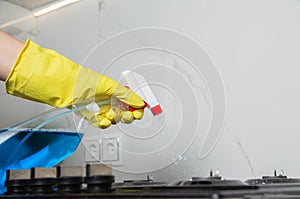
[{"x": 97, "y": 181}]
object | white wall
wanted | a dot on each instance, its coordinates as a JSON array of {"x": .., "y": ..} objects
[{"x": 255, "y": 48}]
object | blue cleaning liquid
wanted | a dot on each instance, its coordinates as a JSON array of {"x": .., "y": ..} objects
[{"x": 27, "y": 148}]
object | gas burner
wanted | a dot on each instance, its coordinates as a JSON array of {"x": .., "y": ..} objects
[
  {"x": 33, "y": 181},
  {"x": 202, "y": 181},
  {"x": 60, "y": 180},
  {"x": 275, "y": 179},
  {"x": 214, "y": 180},
  {"x": 149, "y": 182},
  {"x": 98, "y": 183},
  {"x": 211, "y": 182}
]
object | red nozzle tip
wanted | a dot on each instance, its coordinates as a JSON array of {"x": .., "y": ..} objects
[{"x": 156, "y": 110}]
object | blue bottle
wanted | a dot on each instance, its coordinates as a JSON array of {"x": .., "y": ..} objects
[
  {"x": 35, "y": 148},
  {"x": 42, "y": 141}
]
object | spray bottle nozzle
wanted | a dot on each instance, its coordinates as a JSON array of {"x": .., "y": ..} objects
[{"x": 138, "y": 84}]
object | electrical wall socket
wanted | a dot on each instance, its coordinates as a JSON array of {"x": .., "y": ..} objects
[
  {"x": 92, "y": 151},
  {"x": 111, "y": 149}
]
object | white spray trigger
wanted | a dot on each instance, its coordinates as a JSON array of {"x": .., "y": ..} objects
[{"x": 138, "y": 84}]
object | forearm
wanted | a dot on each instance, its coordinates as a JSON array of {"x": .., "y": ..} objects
[{"x": 9, "y": 50}]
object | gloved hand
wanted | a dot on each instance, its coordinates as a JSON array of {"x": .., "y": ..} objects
[{"x": 45, "y": 76}]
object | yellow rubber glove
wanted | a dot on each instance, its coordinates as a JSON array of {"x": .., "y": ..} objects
[{"x": 45, "y": 76}]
